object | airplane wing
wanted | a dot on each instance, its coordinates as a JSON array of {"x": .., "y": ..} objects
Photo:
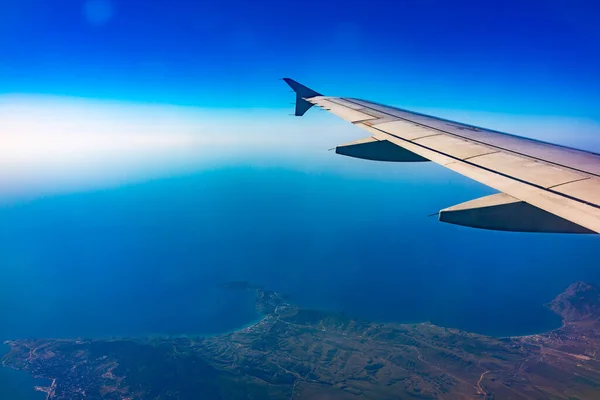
[{"x": 543, "y": 187}]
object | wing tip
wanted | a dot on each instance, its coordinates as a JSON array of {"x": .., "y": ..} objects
[
  {"x": 302, "y": 93},
  {"x": 300, "y": 89}
]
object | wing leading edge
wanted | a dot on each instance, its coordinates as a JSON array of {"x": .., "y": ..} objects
[{"x": 544, "y": 187}]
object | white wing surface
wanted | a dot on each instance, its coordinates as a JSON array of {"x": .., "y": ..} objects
[{"x": 544, "y": 187}]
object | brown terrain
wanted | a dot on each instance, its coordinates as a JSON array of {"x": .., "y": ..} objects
[{"x": 295, "y": 353}]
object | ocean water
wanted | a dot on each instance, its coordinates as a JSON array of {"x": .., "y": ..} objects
[
  {"x": 17, "y": 385},
  {"x": 147, "y": 259}
]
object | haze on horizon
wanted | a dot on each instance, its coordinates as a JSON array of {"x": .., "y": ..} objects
[
  {"x": 128, "y": 91},
  {"x": 115, "y": 142}
]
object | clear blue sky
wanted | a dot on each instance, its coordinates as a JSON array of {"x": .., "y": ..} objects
[{"x": 530, "y": 57}]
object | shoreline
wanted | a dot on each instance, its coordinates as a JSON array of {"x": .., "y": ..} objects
[
  {"x": 254, "y": 322},
  {"x": 260, "y": 317},
  {"x": 21, "y": 383},
  {"x": 563, "y": 324}
]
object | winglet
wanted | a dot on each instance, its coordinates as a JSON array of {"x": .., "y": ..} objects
[
  {"x": 300, "y": 89},
  {"x": 302, "y": 92}
]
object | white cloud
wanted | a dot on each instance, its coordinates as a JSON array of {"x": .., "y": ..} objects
[{"x": 53, "y": 145}]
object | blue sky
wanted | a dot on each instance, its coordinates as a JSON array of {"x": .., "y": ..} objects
[{"x": 534, "y": 57}]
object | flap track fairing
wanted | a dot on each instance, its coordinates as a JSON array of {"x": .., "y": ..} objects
[
  {"x": 502, "y": 212},
  {"x": 378, "y": 150}
]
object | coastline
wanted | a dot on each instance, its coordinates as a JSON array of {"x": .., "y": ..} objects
[
  {"x": 313, "y": 334},
  {"x": 19, "y": 384},
  {"x": 563, "y": 325}
]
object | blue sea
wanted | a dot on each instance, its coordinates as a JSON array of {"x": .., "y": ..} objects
[{"x": 147, "y": 258}]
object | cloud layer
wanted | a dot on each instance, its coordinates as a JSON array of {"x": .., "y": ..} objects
[{"x": 53, "y": 144}]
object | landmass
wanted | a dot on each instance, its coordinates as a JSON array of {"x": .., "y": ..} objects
[{"x": 297, "y": 353}]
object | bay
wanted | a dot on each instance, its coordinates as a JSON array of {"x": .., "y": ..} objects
[{"x": 147, "y": 259}]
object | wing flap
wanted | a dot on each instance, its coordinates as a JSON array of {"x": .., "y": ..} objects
[
  {"x": 531, "y": 171},
  {"x": 405, "y": 130},
  {"x": 458, "y": 148},
  {"x": 585, "y": 189}
]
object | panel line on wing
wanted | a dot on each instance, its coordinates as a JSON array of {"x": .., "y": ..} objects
[
  {"x": 364, "y": 121},
  {"x": 421, "y": 123},
  {"x": 537, "y": 173},
  {"x": 554, "y": 178},
  {"x": 481, "y": 155},
  {"x": 426, "y": 136},
  {"x": 566, "y": 183},
  {"x": 596, "y": 206}
]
